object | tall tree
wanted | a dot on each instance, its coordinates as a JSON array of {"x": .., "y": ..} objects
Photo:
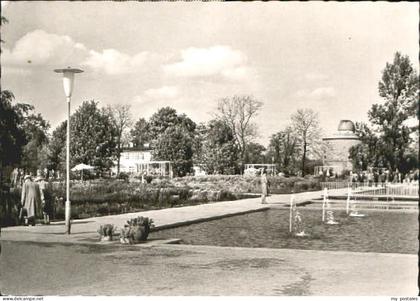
[
  {"x": 200, "y": 135},
  {"x": 120, "y": 118},
  {"x": 305, "y": 124},
  {"x": 161, "y": 120},
  {"x": 23, "y": 134},
  {"x": 284, "y": 149},
  {"x": 238, "y": 112},
  {"x": 12, "y": 135},
  {"x": 140, "y": 133},
  {"x": 219, "y": 151},
  {"x": 36, "y": 132},
  {"x": 56, "y": 150},
  {"x": 369, "y": 151},
  {"x": 93, "y": 137},
  {"x": 173, "y": 137},
  {"x": 255, "y": 153},
  {"x": 399, "y": 86},
  {"x": 176, "y": 145}
]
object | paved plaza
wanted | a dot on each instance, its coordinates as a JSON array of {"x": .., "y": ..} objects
[{"x": 60, "y": 264}]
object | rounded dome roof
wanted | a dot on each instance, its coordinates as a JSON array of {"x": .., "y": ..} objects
[{"x": 346, "y": 125}]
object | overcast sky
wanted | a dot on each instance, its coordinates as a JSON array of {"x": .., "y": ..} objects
[{"x": 324, "y": 56}]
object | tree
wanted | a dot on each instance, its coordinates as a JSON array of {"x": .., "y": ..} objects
[
  {"x": 219, "y": 153},
  {"x": 93, "y": 137},
  {"x": 284, "y": 149},
  {"x": 200, "y": 135},
  {"x": 255, "y": 153},
  {"x": 400, "y": 89},
  {"x": 162, "y": 125},
  {"x": 237, "y": 112},
  {"x": 161, "y": 120},
  {"x": 56, "y": 151},
  {"x": 175, "y": 145},
  {"x": 36, "y": 132},
  {"x": 12, "y": 135},
  {"x": 120, "y": 118},
  {"x": 140, "y": 133},
  {"x": 369, "y": 151},
  {"x": 305, "y": 125}
]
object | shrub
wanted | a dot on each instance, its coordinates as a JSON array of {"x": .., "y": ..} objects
[
  {"x": 123, "y": 176},
  {"x": 136, "y": 230}
]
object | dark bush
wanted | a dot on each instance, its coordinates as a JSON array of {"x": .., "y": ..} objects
[
  {"x": 148, "y": 179},
  {"x": 123, "y": 176}
]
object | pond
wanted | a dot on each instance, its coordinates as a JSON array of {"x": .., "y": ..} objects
[{"x": 378, "y": 231}]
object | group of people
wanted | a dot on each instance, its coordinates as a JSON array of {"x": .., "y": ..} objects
[
  {"x": 385, "y": 176},
  {"x": 33, "y": 201},
  {"x": 17, "y": 176}
]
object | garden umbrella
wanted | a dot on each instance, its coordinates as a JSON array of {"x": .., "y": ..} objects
[{"x": 81, "y": 167}]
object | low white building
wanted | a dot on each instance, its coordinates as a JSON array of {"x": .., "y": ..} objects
[{"x": 140, "y": 161}]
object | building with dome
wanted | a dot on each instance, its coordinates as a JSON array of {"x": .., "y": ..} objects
[{"x": 336, "y": 156}]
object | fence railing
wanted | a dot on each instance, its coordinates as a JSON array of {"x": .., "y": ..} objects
[{"x": 374, "y": 189}]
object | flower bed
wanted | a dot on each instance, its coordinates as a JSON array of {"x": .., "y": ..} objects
[
  {"x": 107, "y": 197},
  {"x": 241, "y": 184}
]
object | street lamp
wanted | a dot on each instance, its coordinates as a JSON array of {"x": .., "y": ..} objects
[{"x": 68, "y": 82}]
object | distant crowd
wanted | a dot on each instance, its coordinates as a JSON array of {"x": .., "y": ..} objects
[
  {"x": 376, "y": 175},
  {"x": 17, "y": 176},
  {"x": 385, "y": 176}
]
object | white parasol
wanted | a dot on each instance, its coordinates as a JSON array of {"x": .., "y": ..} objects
[{"x": 81, "y": 167}]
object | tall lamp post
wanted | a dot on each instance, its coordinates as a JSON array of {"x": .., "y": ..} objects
[{"x": 68, "y": 82}]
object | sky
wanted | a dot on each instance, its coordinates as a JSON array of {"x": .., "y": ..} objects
[{"x": 188, "y": 55}]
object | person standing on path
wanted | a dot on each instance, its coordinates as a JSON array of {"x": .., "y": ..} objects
[
  {"x": 264, "y": 186},
  {"x": 46, "y": 204},
  {"x": 30, "y": 200}
]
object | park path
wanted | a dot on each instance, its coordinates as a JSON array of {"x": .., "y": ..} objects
[
  {"x": 163, "y": 269},
  {"x": 84, "y": 230}
]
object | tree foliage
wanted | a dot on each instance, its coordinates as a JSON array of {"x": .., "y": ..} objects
[
  {"x": 140, "y": 134},
  {"x": 305, "y": 125},
  {"x": 368, "y": 152},
  {"x": 176, "y": 145},
  {"x": 219, "y": 152},
  {"x": 172, "y": 139},
  {"x": 283, "y": 147},
  {"x": 238, "y": 113},
  {"x": 56, "y": 148},
  {"x": 23, "y": 134},
  {"x": 12, "y": 135},
  {"x": 92, "y": 139},
  {"x": 93, "y": 136},
  {"x": 255, "y": 153},
  {"x": 36, "y": 132},
  {"x": 388, "y": 142},
  {"x": 121, "y": 120}
]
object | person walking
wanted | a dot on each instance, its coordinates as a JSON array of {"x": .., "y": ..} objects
[
  {"x": 46, "y": 204},
  {"x": 14, "y": 178},
  {"x": 30, "y": 200},
  {"x": 264, "y": 186}
]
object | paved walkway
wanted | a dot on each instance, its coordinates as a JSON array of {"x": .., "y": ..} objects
[
  {"x": 82, "y": 266},
  {"x": 84, "y": 230}
]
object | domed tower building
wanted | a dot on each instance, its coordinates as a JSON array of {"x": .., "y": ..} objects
[{"x": 336, "y": 156}]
